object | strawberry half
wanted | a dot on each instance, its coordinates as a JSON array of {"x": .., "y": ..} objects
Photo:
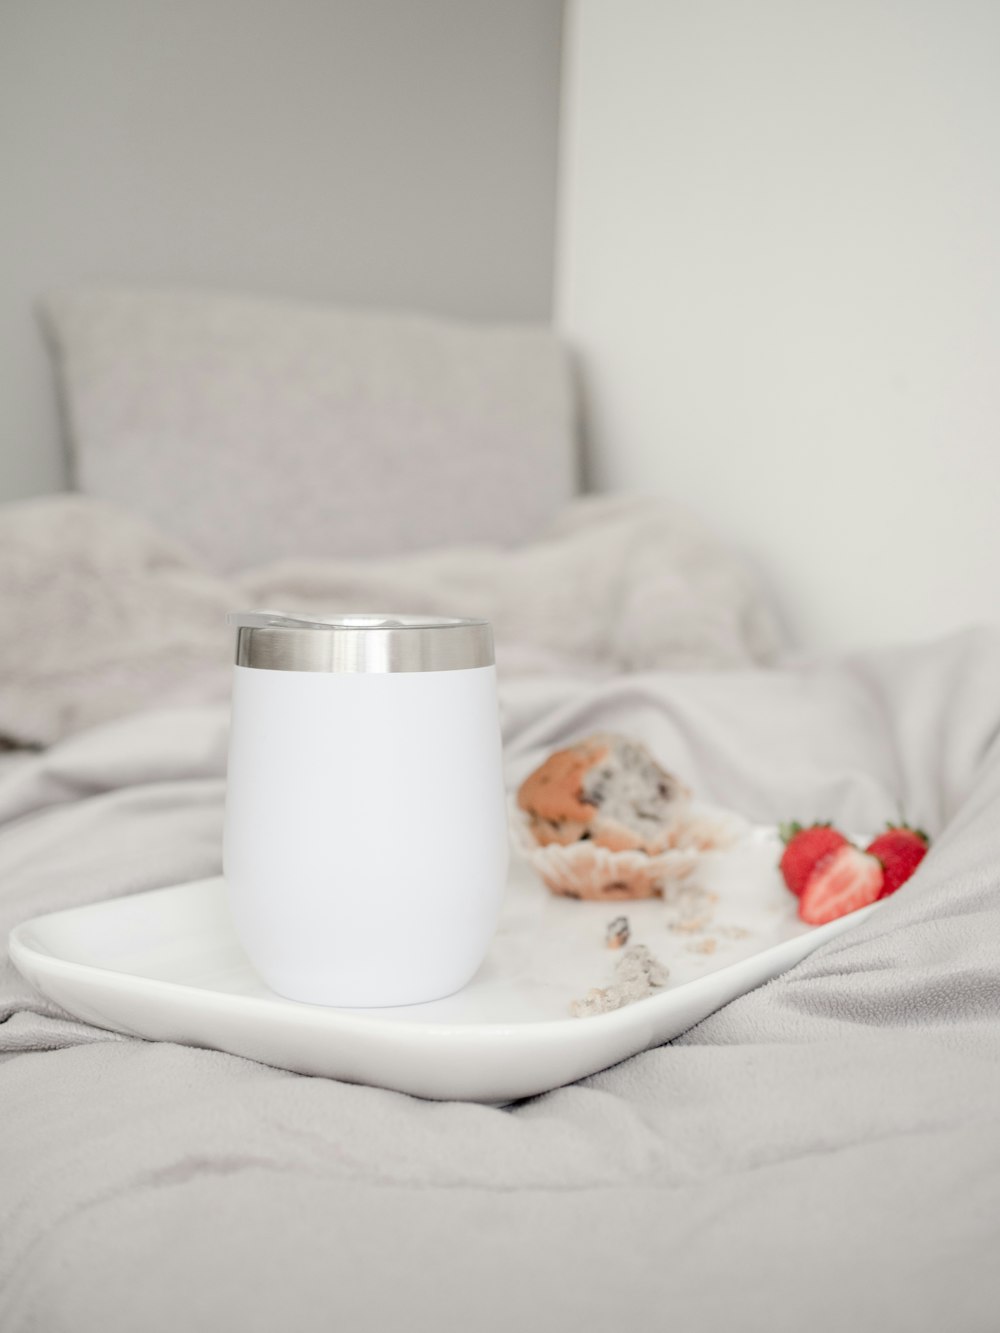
[
  {"x": 841, "y": 883},
  {"x": 804, "y": 849},
  {"x": 900, "y": 849}
]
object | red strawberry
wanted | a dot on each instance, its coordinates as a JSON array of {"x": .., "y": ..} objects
[
  {"x": 900, "y": 849},
  {"x": 804, "y": 849},
  {"x": 841, "y": 883}
]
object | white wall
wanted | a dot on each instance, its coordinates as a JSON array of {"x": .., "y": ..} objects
[
  {"x": 780, "y": 261},
  {"x": 389, "y": 152}
]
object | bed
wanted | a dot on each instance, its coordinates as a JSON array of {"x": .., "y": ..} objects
[{"x": 821, "y": 1153}]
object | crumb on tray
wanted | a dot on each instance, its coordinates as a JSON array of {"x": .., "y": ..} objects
[
  {"x": 636, "y": 974},
  {"x": 617, "y": 934},
  {"x": 690, "y": 909}
]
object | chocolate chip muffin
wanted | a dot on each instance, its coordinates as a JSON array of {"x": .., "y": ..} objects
[{"x": 608, "y": 790}]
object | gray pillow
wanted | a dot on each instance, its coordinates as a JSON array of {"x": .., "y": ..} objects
[{"x": 253, "y": 430}]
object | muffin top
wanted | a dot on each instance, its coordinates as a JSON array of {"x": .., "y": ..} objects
[{"x": 606, "y": 788}]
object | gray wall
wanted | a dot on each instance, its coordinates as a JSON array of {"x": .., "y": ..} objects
[{"x": 386, "y": 152}]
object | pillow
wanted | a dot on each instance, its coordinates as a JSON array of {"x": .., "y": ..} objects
[
  {"x": 253, "y": 430},
  {"x": 104, "y": 616}
]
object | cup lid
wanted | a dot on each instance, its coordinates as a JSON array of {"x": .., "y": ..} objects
[{"x": 360, "y": 642}]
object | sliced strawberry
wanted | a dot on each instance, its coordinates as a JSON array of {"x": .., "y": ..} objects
[
  {"x": 841, "y": 883},
  {"x": 804, "y": 849},
  {"x": 900, "y": 849}
]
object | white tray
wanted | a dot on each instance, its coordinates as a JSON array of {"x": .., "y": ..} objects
[{"x": 166, "y": 965}]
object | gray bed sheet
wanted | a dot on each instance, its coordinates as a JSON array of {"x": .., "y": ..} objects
[{"x": 822, "y": 1154}]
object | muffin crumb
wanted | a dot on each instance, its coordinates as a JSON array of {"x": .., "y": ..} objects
[
  {"x": 617, "y": 934},
  {"x": 691, "y": 909},
  {"x": 636, "y": 975}
]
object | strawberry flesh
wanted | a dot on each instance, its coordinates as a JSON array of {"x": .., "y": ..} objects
[
  {"x": 805, "y": 848},
  {"x": 841, "y": 883}
]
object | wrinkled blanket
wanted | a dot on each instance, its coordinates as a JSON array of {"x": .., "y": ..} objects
[
  {"x": 822, "y": 1154},
  {"x": 102, "y": 615}
]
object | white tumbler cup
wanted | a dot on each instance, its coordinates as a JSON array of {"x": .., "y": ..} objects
[{"x": 365, "y": 847}]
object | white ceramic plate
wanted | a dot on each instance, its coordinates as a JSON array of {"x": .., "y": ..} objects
[{"x": 166, "y": 966}]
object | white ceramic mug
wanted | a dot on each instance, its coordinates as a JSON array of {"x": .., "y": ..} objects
[{"x": 365, "y": 847}]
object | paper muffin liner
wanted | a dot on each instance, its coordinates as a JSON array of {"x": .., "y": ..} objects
[{"x": 587, "y": 870}]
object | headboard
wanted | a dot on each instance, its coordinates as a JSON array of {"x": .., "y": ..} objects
[{"x": 778, "y": 263}]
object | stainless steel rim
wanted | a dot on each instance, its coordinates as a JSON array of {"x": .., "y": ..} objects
[{"x": 379, "y": 642}]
